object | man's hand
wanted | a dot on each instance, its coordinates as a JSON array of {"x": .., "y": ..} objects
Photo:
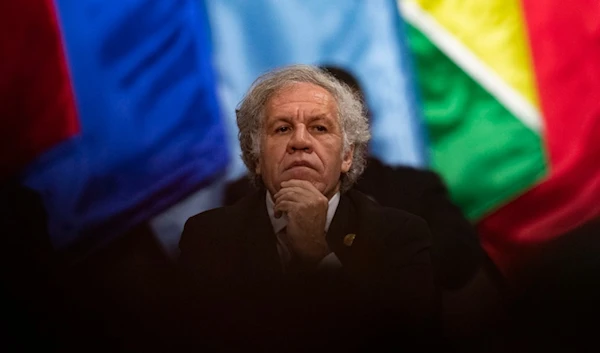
[{"x": 306, "y": 209}]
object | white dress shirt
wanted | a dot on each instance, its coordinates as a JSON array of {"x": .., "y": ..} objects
[{"x": 329, "y": 262}]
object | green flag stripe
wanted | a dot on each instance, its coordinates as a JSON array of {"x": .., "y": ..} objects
[{"x": 484, "y": 153}]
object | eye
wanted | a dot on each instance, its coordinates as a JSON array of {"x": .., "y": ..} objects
[
  {"x": 282, "y": 129},
  {"x": 320, "y": 128}
]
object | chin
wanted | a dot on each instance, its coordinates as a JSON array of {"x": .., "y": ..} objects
[{"x": 300, "y": 173}]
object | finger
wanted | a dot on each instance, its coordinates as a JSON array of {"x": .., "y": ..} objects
[
  {"x": 299, "y": 183},
  {"x": 284, "y": 207},
  {"x": 292, "y": 193},
  {"x": 298, "y": 198}
]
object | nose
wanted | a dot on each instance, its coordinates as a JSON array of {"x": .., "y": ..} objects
[{"x": 300, "y": 140}]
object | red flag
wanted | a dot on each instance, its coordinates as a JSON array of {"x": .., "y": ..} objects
[
  {"x": 36, "y": 98},
  {"x": 565, "y": 43}
]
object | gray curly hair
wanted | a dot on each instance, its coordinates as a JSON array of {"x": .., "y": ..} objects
[{"x": 351, "y": 115}]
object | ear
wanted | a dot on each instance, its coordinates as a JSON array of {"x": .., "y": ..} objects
[{"x": 347, "y": 159}]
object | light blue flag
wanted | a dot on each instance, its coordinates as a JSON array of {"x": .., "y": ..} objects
[{"x": 364, "y": 37}]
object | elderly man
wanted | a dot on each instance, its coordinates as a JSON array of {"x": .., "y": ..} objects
[{"x": 305, "y": 251}]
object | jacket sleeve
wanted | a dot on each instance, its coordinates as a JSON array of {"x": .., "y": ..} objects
[{"x": 404, "y": 286}]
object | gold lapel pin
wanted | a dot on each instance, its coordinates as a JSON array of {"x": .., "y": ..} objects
[{"x": 349, "y": 239}]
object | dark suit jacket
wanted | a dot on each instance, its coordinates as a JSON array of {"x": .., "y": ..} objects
[
  {"x": 455, "y": 253},
  {"x": 384, "y": 293}
]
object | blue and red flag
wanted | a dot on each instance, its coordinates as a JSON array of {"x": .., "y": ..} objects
[{"x": 112, "y": 108}]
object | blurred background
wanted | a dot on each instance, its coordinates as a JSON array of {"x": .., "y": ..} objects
[
  {"x": 119, "y": 116},
  {"x": 118, "y": 124}
]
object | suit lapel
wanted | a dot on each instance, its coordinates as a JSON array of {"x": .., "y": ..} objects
[
  {"x": 262, "y": 257},
  {"x": 346, "y": 239}
]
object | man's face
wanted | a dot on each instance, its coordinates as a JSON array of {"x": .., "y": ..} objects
[{"x": 302, "y": 139}]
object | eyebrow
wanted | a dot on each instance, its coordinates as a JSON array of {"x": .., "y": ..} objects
[
  {"x": 278, "y": 119},
  {"x": 319, "y": 117},
  {"x": 288, "y": 118},
  {"x": 328, "y": 120}
]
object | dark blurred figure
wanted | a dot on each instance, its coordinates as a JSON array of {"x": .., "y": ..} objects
[
  {"x": 473, "y": 306},
  {"x": 39, "y": 309},
  {"x": 27, "y": 268},
  {"x": 558, "y": 309},
  {"x": 114, "y": 299}
]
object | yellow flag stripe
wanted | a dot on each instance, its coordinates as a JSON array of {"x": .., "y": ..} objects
[
  {"x": 469, "y": 62},
  {"x": 494, "y": 30}
]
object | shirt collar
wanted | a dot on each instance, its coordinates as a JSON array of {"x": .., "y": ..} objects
[{"x": 280, "y": 223}]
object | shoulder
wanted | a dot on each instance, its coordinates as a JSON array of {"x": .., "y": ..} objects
[
  {"x": 216, "y": 216},
  {"x": 212, "y": 242},
  {"x": 221, "y": 222},
  {"x": 380, "y": 222}
]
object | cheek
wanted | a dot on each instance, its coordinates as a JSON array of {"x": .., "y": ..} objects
[
  {"x": 330, "y": 156},
  {"x": 273, "y": 158}
]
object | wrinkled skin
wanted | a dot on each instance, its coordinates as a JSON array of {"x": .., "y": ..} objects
[{"x": 301, "y": 162}]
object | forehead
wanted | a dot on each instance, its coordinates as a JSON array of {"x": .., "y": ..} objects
[{"x": 310, "y": 97}]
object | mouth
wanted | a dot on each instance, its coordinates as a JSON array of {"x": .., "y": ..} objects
[{"x": 299, "y": 164}]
